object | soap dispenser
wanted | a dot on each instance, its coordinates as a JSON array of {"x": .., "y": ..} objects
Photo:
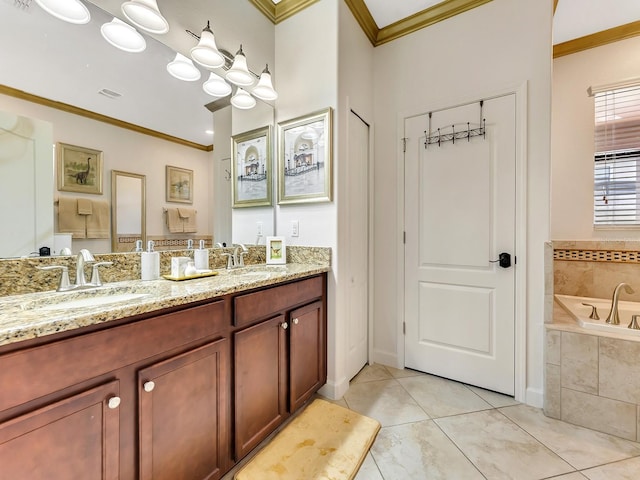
[
  {"x": 150, "y": 263},
  {"x": 201, "y": 257}
]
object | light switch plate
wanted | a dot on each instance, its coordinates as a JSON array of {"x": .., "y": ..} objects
[{"x": 295, "y": 228}]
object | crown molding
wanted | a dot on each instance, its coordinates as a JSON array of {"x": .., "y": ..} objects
[
  {"x": 425, "y": 18},
  {"x": 437, "y": 13},
  {"x": 555, "y": 5},
  {"x": 65, "y": 107},
  {"x": 283, "y": 10},
  {"x": 364, "y": 18},
  {"x": 597, "y": 39}
]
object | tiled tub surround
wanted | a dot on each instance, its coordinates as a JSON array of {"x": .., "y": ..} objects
[
  {"x": 20, "y": 275},
  {"x": 592, "y": 378}
]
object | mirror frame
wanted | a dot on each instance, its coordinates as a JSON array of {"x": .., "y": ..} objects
[{"x": 114, "y": 206}]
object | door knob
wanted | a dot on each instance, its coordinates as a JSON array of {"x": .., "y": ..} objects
[{"x": 504, "y": 260}]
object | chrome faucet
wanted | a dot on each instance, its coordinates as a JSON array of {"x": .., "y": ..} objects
[
  {"x": 238, "y": 256},
  {"x": 84, "y": 255},
  {"x": 613, "y": 318}
]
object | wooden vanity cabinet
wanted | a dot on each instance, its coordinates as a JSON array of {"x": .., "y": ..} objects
[
  {"x": 279, "y": 360},
  {"x": 83, "y": 407},
  {"x": 75, "y": 437}
]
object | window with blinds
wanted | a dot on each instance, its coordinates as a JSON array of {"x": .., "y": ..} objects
[{"x": 617, "y": 156}]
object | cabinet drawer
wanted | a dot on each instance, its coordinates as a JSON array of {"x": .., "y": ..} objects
[
  {"x": 265, "y": 303},
  {"x": 32, "y": 373}
]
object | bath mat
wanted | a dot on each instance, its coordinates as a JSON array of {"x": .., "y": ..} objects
[{"x": 325, "y": 442}]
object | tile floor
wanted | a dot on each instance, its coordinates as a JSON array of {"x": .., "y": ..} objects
[
  {"x": 433, "y": 428},
  {"x": 438, "y": 429}
]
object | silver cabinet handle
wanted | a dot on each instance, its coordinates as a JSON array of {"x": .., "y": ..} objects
[
  {"x": 149, "y": 386},
  {"x": 113, "y": 403},
  {"x": 295, "y": 321},
  {"x": 284, "y": 325}
]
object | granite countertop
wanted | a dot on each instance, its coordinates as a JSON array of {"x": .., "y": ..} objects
[{"x": 34, "y": 315}]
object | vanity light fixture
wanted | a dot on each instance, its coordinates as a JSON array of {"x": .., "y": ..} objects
[
  {"x": 72, "y": 11},
  {"x": 243, "y": 100},
  {"x": 206, "y": 52},
  {"x": 145, "y": 14},
  {"x": 239, "y": 73},
  {"x": 183, "y": 69},
  {"x": 264, "y": 89},
  {"x": 123, "y": 36},
  {"x": 216, "y": 86}
]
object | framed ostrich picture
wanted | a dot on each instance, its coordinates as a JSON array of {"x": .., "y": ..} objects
[
  {"x": 179, "y": 185},
  {"x": 79, "y": 169}
]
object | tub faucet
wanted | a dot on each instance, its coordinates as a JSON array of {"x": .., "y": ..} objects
[{"x": 613, "y": 318}]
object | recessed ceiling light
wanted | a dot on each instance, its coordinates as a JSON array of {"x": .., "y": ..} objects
[{"x": 209, "y": 132}]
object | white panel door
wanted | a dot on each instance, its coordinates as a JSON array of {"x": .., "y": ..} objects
[
  {"x": 459, "y": 216},
  {"x": 358, "y": 245}
]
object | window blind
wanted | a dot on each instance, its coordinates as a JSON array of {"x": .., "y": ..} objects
[{"x": 617, "y": 156}]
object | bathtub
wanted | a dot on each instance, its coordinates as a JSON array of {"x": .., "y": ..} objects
[{"x": 574, "y": 306}]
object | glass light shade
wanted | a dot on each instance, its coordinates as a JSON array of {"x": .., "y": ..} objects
[
  {"x": 264, "y": 89},
  {"x": 183, "y": 69},
  {"x": 206, "y": 53},
  {"x": 243, "y": 100},
  {"x": 216, "y": 86},
  {"x": 239, "y": 73},
  {"x": 72, "y": 11},
  {"x": 123, "y": 36},
  {"x": 145, "y": 15}
]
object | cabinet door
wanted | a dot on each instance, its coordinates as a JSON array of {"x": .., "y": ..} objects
[
  {"x": 184, "y": 411},
  {"x": 260, "y": 363},
  {"x": 308, "y": 357},
  {"x": 76, "y": 437}
]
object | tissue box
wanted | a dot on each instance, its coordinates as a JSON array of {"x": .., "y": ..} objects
[{"x": 178, "y": 265}]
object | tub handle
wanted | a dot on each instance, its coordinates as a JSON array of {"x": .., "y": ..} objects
[
  {"x": 634, "y": 322},
  {"x": 594, "y": 312}
]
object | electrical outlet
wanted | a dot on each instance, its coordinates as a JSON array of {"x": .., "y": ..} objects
[
  {"x": 259, "y": 229},
  {"x": 295, "y": 228}
]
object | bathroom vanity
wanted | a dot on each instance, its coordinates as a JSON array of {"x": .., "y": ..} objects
[{"x": 180, "y": 382}]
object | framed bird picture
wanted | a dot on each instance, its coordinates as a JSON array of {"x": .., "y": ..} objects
[
  {"x": 179, "y": 185},
  {"x": 79, "y": 169},
  {"x": 276, "y": 250}
]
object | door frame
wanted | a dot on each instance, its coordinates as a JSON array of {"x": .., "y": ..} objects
[{"x": 520, "y": 327}]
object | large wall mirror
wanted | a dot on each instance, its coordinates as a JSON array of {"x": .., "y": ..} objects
[
  {"x": 71, "y": 54},
  {"x": 128, "y": 210}
]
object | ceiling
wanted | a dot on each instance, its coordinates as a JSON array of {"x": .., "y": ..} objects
[{"x": 63, "y": 62}]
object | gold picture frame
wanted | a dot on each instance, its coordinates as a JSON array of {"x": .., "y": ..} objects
[
  {"x": 79, "y": 169},
  {"x": 305, "y": 150},
  {"x": 251, "y": 168},
  {"x": 179, "y": 188}
]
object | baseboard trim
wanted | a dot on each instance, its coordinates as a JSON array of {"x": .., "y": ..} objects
[
  {"x": 534, "y": 397},
  {"x": 334, "y": 390}
]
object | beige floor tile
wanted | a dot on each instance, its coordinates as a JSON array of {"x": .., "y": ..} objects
[
  {"x": 369, "y": 470},
  {"x": 420, "y": 451},
  {"x": 402, "y": 373},
  {"x": 500, "y": 449},
  {"x": 371, "y": 373},
  {"x": 384, "y": 400},
  {"x": 440, "y": 397},
  {"x": 624, "y": 470},
  {"x": 580, "y": 447},
  {"x": 494, "y": 399},
  {"x": 570, "y": 476}
]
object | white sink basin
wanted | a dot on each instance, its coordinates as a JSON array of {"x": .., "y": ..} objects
[{"x": 91, "y": 301}]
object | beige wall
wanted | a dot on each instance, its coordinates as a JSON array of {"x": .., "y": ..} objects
[
  {"x": 482, "y": 51},
  {"x": 572, "y": 136}
]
